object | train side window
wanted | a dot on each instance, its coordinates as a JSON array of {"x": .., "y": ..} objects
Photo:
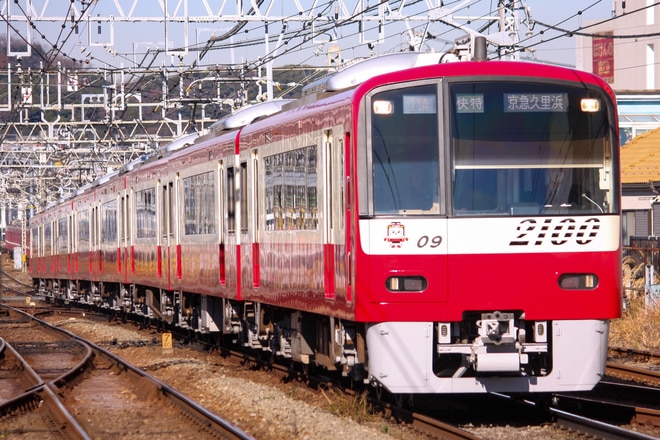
[
  {"x": 168, "y": 210},
  {"x": 291, "y": 190},
  {"x": 109, "y": 218},
  {"x": 83, "y": 231},
  {"x": 34, "y": 242},
  {"x": 62, "y": 236},
  {"x": 47, "y": 240},
  {"x": 145, "y": 208},
  {"x": 198, "y": 204}
]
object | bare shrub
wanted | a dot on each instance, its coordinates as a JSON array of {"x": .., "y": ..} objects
[{"x": 638, "y": 328}]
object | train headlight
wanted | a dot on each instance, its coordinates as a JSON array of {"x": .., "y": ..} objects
[
  {"x": 579, "y": 281},
  {"x": 406, "y": 284},
  {"x": 589, "y": 105},
  {"x": 383, "y": 107}
]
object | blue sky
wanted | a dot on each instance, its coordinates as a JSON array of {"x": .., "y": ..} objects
[
  {"x": 566, "y": 14},
  {"x": 132, "y": 40}
]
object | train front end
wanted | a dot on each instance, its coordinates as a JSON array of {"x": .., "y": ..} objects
[{"x": 489, "y": 252}]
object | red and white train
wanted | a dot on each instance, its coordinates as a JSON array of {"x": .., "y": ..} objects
[
  {"x": 427, "y": 227},
  {"x": 14, "y": 238}
]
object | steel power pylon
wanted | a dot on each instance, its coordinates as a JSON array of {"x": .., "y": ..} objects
[{"x": 66, "y": 127}]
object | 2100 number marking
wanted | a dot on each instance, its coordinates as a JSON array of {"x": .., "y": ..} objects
[{"x": 558, "y": 232}]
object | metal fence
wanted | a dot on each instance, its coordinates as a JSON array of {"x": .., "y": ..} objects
[{"x": 641, "y": 270}]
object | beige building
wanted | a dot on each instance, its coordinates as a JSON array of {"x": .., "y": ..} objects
[
  {"x": 626, "y": 48},
  {"x": 640, "y": 179}
]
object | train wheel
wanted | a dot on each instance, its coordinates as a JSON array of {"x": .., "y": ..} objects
[{"x": 269, "y": 360}]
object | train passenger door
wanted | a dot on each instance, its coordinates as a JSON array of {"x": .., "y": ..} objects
[
  {"x": 249, "y": 215},
  {"x": 42, "y": 248},
  {"x": 230, "y": 264},
  {"x": 72, "y": 251},
  {"x": 241, "y": 227},
  {"x": 124, "y": 220},
  {"x": 95, "y": 259},
  {"x": 169, "y": 250},
  {"x": 334, "y": 240},
  {"x": 48, "y": 250}
]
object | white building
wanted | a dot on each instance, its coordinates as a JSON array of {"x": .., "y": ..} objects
[{"x": 625, "y": 49}]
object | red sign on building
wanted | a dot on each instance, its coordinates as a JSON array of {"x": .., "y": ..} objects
[{"x": 603, "y": 56}]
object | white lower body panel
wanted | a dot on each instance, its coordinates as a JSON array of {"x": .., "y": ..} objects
[{"x": 401, "y": 359}]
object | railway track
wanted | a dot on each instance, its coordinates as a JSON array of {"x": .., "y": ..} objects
[
  {"x": 57, "y": 385},
  {"x": 610, "y": 404},
  {"x": 13, "y": 284},
  {"x": 635, "y": 365},
  {"x": 575, "y": 421},
  {"x": 429, "y": 426},
  {"x": 568, "y": 413}
]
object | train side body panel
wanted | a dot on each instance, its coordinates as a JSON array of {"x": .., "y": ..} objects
[{"x": 287, "y": 262}]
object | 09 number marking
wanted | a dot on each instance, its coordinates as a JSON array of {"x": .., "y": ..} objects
[
  {"x": 432, "y": 242},
  {"x": 532, "y": 232}
]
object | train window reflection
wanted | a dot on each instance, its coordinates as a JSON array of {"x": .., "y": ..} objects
[
  {"x": 291, "y": 187},
  {"x": 198, "y": 204}
]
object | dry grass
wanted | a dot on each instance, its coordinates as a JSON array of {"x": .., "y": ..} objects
[
  {"x": 639, "y": 326},
  {"x": 355, "y": 406}
]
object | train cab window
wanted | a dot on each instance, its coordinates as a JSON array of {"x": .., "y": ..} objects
[
  {"x": 522, "y": 148},
  {"x": 405, "y": 151}
]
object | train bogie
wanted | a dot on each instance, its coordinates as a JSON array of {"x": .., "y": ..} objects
[{"x": 447, "y": 228}]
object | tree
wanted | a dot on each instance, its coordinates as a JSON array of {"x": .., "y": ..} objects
[{"x": 40, "y": 55}]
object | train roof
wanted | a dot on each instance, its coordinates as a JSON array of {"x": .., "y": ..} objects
[
  {"x": 181, "y": 142},
  {"x": 244, "y": 116},
  {"x": 359, "y": 72}
]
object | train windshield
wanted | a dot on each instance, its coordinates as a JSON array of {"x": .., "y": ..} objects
[
  {"x": 531, "y": 148},
  {"x": 514, "y": 148}
]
